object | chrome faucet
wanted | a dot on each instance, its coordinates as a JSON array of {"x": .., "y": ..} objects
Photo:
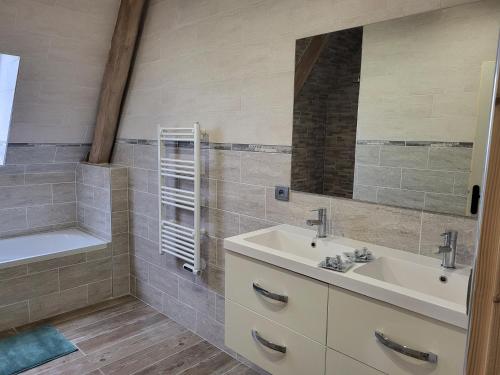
[
  {"x": 449, "y": 249},
  {"x": 321, "y": 222}
]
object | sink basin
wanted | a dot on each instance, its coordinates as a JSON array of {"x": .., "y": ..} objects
[
  {"x": 431, "y": 281},
  {"x": 410, "y": 281},
  {"x": 297, "y": 244}
]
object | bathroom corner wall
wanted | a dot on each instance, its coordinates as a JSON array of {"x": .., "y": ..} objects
[
  {"x": 238, "y": 197},
  {"x": 37, "y": 187},
  {"x": 102, "y": 210}
]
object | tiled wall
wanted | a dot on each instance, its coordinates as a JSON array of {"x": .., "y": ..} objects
[
  {"x": 102, "y": 210},
  {"x": 420, "y": 175},
  {"x": 63, "y": 47},
  {"x": 37, "y": 187},
  {"x": 420, "y": 76},
  {"x": 42, "y": 289},
  {"x": 230, "y": 64},
  {"x": 38, "y": 290},
  {"x": 238, "y": 196}
]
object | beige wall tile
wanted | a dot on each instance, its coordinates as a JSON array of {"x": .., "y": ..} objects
[
  {"x": 241, "y": 198},
  {"x": 100, "y": 291},
  {"x": 224, "y": 165},
  {"x": 14, "y": 315},
  {"x": 387, "y": 226},
  {"x": 74, "y": 276},
  {"x": 297, "y": 210},
  {"x": 435, "y": 224},
  {"x": 51, "y": 264},
  {"x": 57, "y": 303},
  {"x": 11, "y": 272},
  {"x": 25, "y": 287},
  {"x": 267, "y": 169}
]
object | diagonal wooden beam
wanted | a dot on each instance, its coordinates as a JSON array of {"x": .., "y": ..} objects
[
  {"x": 307, "y": 61},
  {"x": 116, "y": 74}
]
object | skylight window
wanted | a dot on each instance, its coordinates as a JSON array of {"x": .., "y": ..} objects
[{"x": 9, "y": 67}]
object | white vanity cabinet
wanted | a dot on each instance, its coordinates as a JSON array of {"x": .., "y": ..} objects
[
  {"x": 287, "y": 323},
  {"x": 353, "y": 320}
]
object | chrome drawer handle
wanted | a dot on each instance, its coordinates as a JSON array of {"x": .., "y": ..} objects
[
  {"x": 267, "y": 344},
  {"x": 270, "y": 295},
  {"x": 403, "y": 349}
]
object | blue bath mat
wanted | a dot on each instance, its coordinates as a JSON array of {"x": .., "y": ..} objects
[{"x": 31, "y": 349}]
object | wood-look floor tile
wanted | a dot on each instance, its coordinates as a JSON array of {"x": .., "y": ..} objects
[
  {"x": 172, "y": 344},
  {"x": 219, "y": 364},
  {"x": 125, "y": 336},
  {"x": 241, "y": 370},
  {"x": 109, "y": 324},
  {"x": 118, "y": 351},
  {"x": 130, "y": 329},
  {"x": 87, "y": 315},
  {"x": 182, "y": 360},
  {"x": 47, "y": 368}
]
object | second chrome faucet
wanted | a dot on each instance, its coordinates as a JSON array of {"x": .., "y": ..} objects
[{"x": 321, "y": 222}]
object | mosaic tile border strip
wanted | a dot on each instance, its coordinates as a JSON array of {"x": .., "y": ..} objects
[
  {"x": 280, "y": 149},
  {"x": 49, "y": 144},
  {"x": 414, "y": 143}
]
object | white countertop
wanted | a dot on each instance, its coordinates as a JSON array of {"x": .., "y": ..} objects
[{"x": 447, "y": 310}]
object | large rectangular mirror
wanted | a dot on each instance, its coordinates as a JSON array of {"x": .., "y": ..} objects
[
  {"x": 9, "y": 67},
  {"x": 397, "y": 112}
]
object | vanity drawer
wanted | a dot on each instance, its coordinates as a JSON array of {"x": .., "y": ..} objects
[
  {"x": 340, "y": 364},
  {"x": 305, "y": 310},
  {"x": 353, "y": 320},
  {"x": 302, "y": 356}
]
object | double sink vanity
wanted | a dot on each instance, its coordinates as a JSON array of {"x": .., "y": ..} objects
[{"x": 401, "y": 313}]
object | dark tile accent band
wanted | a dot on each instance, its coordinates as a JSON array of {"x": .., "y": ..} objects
[
  {"x": 414, "y": 143},
  {"x": 49, "y": 144},
  {"x": 280, "y": 149}
]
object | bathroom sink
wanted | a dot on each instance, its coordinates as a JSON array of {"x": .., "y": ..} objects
[
  {"x": 298, "y": 244},
  {"x": 435, "y": 282},
  {"x": 411, "y": 281}
]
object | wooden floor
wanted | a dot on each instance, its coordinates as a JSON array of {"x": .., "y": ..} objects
[{"x": 125, "y": 336}]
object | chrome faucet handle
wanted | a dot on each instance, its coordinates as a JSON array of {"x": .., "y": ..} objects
[
  {"x": 444, "y": 249},
  {"x": 319, "y": 210}
]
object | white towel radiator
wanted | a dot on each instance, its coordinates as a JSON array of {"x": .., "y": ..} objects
[{"x": 179, "y": 240}]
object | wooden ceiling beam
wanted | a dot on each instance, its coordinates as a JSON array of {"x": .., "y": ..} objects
[
  {"x": 307, "y": 61},
  {"x": 115, "y": 78}
]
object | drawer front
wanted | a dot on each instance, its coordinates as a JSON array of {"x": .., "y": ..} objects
[
  {"x": 303, "y": 356},
  {"x": 339, "y": 364},
  {"x": 306, "y": 308},
  {"x": 353, "y": 319}
]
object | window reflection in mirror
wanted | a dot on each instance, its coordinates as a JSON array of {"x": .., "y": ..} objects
[{"x": 9, "y": 67}]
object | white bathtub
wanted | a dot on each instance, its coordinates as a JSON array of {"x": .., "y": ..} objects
[{"x": 46, "y": 245}]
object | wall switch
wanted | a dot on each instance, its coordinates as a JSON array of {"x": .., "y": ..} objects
[{"x": 282, "y": 193}]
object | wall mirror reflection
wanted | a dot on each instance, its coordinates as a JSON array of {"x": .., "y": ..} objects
[
  {"x": 396, "y": 112},
  {"x": 9, "y": 67}
]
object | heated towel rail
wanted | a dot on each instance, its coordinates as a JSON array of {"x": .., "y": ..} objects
[{"x": 179, "y": 188}]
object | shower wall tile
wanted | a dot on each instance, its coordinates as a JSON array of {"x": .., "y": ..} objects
[
  {"x": 13, "y": 219},
  {"x": 42, "y": 181},
  {"x": 40, "y": 216}
]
